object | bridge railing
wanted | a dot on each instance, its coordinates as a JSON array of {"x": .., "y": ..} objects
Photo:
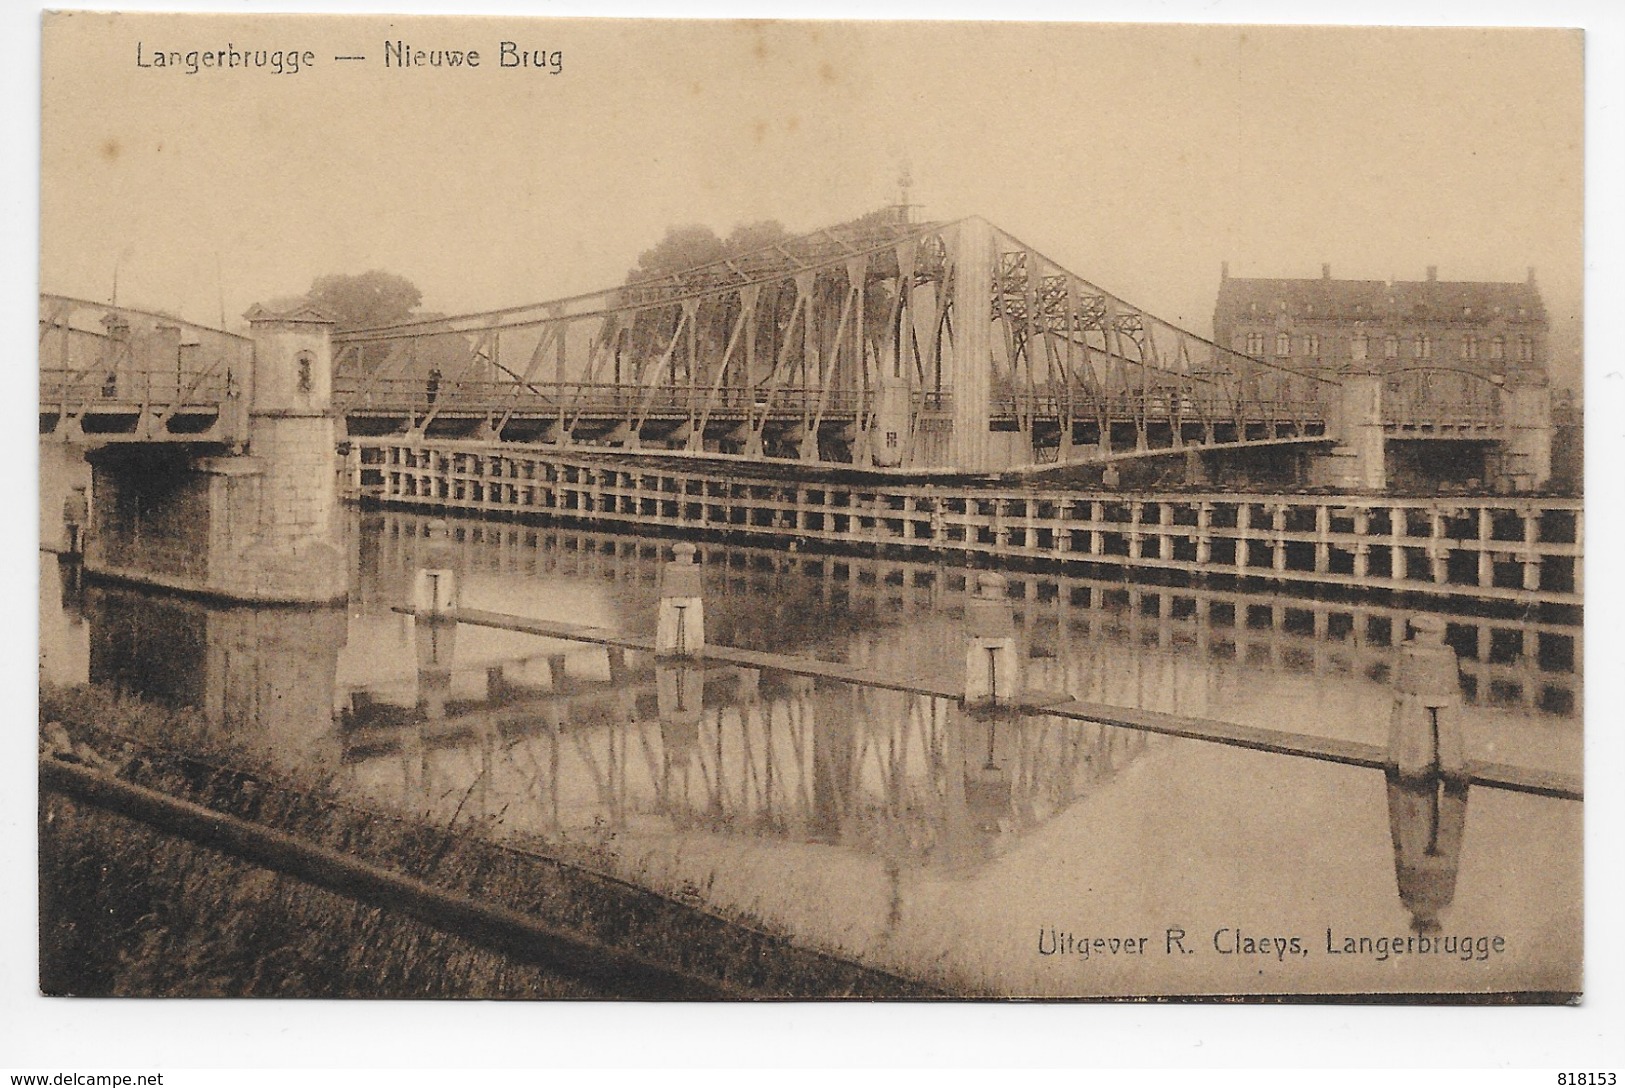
[
  {"x": 122, "y": 388},
  {"x": 1442, "y": 398},
  {"x": 494, "y": 397},
  {"x": 1159, "y": 407},
  {"x": 96, "y": 356}
]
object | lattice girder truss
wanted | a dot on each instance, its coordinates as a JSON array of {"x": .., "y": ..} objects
[
  {"x": 102, "y": 359},
  {"x": 784, "y": 353}
]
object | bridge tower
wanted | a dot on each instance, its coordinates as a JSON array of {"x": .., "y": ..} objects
[
  {"x": 1359, "y": 461},
  {"x": 258, "y": 522},
  {"x": 970, "y": 448},
  {"x": 1528, "y": 444}
]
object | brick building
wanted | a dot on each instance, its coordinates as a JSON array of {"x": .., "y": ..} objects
[
  {"x": 1456, "y": 373},
  {"x": 1327, "y": 325}
]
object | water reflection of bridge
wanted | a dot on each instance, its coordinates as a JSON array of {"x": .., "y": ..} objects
[
  {"x": 1068, "y": 622},
  {"x": 660, "y": 749}
]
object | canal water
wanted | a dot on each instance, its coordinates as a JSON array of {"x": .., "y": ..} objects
[{"x": 894, "y": 828}]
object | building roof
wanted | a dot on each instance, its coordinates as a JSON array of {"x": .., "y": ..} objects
[
  {"x": 1407, "y": 300},
  {"x": 301, "y": 312}
]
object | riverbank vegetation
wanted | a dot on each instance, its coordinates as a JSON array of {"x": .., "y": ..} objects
[{"x": 129, "y": 910}]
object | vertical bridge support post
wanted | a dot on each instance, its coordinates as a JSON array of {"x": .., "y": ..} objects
[
  {"x": 890, "y": 434},
  {"x": 970, "y": 446},
  {"x": 292, "y": 439},
  {"x": 1359, "y": 462},
  {"x": 1529, "y": 428},
  {"x": 992, "y": 659},
  {"x": 1424, "y": 731},
  {"x": 680, "y": 630}
]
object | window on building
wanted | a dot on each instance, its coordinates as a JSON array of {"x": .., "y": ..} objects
[
  {"x": 1498, "y": 348},
  {"x": 1422, "y": 346},
  {"x": 1255, "y": 343},
  {"x": 304, "y": 360},
  {"x": 1311, "y": 345},
  {"x": 1526, "y": 350},
  {"x": 1283, "y": 344},
  {"x": 1469, "y": 347},
  {"x": 1390, "y": 346},
  {"x": 1359, "y": 346}
]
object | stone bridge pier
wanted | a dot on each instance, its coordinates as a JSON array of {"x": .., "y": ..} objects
[
  {"x": 1514, "y": 451},
  {"x": 1359, "y": 461},
  {"x": 258, "y": 522}
]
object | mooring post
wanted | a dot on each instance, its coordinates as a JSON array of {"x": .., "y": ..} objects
[
  {"x": 992, "y": 662},
  {"x": 435, "y": 590},
  {"x": 434, "y": 597},
  {"x": 681, "y": 628},
  {"x": 1424, "y": 733}
]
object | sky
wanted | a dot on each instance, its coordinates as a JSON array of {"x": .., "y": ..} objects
[{"x": 1138, "y": 157}]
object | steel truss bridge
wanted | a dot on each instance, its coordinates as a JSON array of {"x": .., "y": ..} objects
[{"x": 877, "y": 343}]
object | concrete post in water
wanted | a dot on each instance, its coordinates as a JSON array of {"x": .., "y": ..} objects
[
  {"x": 435, "y": 589},
  {"x": 992, "y": 660},
  {"x": 681, "y": 627},
  {"x": 1424, "y": 731},
  {"x": 434, "y": 597},
  {"x": 436, "y": 642}
]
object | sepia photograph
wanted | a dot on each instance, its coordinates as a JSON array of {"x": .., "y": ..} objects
[{"x": 733, "y": 510}]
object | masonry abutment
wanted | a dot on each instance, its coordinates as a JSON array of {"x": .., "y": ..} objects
[
  {"x": 261, "y": 523},
  {"x": 1359, "y": 461},
  {"x": 1529, "y": 426}
]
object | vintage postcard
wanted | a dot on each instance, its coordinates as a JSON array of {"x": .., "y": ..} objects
[{"x": 540, "y": 508}]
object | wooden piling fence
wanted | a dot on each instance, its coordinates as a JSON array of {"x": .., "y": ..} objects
[{"x": 1488, "y": 548}]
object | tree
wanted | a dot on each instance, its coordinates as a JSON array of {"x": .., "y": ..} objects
[
  {"x": 748, "y": 237},
  {"x": 382, "y": 298},
  {"x": 681, "y": 249},
  {"x": 363, "y": 301}
]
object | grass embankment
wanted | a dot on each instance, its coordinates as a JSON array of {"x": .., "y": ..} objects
[{"x": 128, "y": 910}]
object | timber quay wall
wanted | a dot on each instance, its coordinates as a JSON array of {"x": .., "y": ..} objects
[{"x": 1523, "y": 550}]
